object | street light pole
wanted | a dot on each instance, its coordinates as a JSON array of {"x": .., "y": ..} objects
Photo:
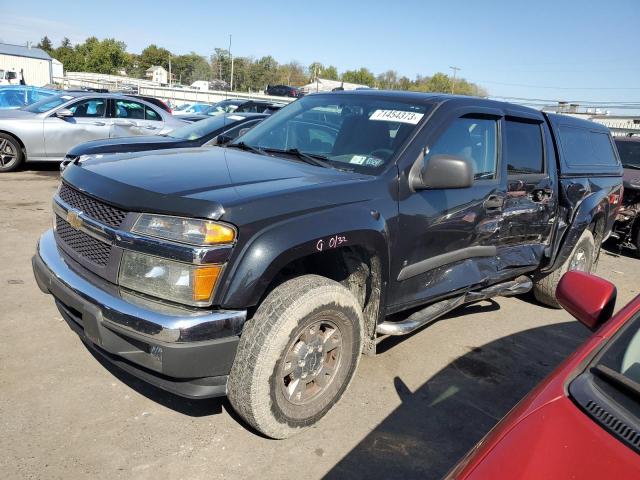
[
  {"x": 231, "y": 57},
  {"x": 453, "y": 83}
]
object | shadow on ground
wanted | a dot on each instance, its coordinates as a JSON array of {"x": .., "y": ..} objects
[{"x": 437, "y": 424}]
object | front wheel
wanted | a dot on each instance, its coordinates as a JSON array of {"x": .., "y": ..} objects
[
  {"x": 11, "y": 155},
  {"x": 296, "y": 356},
  {"x": 582, "y": 258}
]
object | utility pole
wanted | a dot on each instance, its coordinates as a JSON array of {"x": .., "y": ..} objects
[
  {"x": 169, "y": 71},
  {"x": 231, "y": 57},
  {"x": 453, "y": 83}
]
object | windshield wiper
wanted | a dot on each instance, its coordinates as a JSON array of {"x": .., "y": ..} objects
[
  {"x": 246, "y": 147},
  {"x": 636, "y": 167},
  {"x": 313, "y": 159},
  {"x": 617, "y": 379}
]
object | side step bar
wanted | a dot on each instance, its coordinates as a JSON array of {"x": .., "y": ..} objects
[{"x": 434, "y": 311}]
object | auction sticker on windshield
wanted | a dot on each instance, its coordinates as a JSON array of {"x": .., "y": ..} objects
[{"x": 397, "y": 116}]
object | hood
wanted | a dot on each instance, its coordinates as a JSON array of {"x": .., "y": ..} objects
[
  {"x": 13, "y": 114},
  {"x": 631, "y": 179},
  {"x": 557, "y": 441},
  {"x": 209, "y": 183},
  {"x": 125, "y": 144}
]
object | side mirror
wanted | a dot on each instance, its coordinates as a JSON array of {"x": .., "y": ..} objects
[
  {"x": 590, "y": 299},
  {"x": 64, "y": 113},
  {"x": 223, "y": 139},
  {"x": 441, "y": 171}
]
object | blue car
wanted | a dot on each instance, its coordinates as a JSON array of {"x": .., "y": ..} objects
[{"x": 18, "y": 96}]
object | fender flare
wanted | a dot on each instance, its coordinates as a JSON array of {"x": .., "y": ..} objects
[
  {"x": 255, "y": 266},
  {"x": 594, "y": 206}
]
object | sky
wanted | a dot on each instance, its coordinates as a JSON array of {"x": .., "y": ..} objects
[{"x": 558, "y": 50}]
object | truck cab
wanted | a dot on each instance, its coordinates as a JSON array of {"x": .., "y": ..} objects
[{"x": 264, "y": 270}]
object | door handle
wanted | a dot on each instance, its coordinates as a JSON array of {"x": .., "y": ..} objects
[
  {"x": 123, "y": 123},
  {"x": 100, "y": 124},
  {"x": 494, "y": 202},
  {"x": 150, "y": 127}
]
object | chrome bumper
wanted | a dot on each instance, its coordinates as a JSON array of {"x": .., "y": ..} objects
[{"x": 122, "y": 310}]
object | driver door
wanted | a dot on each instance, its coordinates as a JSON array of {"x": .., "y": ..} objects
[
  {"x": 447, "y": 238},
  {"x": 89, "y": 122}
]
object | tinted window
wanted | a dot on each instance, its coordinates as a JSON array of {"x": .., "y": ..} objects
[
  {"x": 629, "y": 151},
  {"x": 584, "y": 147},
  {"x": 129, "y": 109},
  {"x": 151, "y": 114},
  {"x": 473, "y": 139},
  {"x": 233, "y": 133},
  {"x": 524, "y": 148},
  {"x": 90, "y": 108}
]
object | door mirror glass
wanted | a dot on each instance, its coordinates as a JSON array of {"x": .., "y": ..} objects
[
  {"x": 590, "y": 299},
  {"x": 223, "y": 139},
  {"x": 64, "y": 113},
  {"x": 441, "y": 171}
]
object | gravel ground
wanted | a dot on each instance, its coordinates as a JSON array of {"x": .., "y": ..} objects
[{"x": 412, "y": 411}]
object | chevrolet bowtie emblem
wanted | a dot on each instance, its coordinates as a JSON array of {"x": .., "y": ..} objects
[{"x": 73, "y": 219}]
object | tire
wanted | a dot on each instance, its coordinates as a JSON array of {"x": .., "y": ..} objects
[
  {"x": 583, "y": 257},
  {"x": 279, "y": 405},
  {"x": 11, "y": 154}
]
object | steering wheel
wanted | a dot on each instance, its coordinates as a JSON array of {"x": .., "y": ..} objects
[{"x": 383, "y": 153}]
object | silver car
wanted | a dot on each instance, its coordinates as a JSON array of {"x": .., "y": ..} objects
[{"x": 46, "y": 130}]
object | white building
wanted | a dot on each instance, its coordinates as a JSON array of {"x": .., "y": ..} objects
[
  {"x": 200, "y": 85},
  {"x": 326, "y": 85},
  {"x": 57, "y": 69},
  {"x": 157, "y": 73},
  {"x": 34, "y": 63}
]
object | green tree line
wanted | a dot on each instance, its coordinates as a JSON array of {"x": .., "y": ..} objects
[{"x": 110, "y": 56}]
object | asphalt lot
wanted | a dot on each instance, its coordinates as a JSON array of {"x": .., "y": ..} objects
[{"x": 412, "y": 411}]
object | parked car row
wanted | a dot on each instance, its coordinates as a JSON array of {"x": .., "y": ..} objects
[{"x": 193, "y": 112}]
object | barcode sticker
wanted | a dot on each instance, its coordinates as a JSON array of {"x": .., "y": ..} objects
[{"x": 396, "y": 116}]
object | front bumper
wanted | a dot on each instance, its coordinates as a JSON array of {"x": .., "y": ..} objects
[{"x": 186, "y": 351}]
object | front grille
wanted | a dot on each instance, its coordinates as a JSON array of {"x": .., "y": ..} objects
[
  {"x": 91, "y": 207},
  {"x": 84, "y": 245}
]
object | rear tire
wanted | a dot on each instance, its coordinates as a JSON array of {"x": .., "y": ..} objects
[
  {"x": 583, "y": 257},
  {"x": 296, "y": 356},
  {"x": 11, "y": 154}
]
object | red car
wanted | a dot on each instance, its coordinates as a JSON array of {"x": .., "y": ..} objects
[{"x": 583, "y": 421}]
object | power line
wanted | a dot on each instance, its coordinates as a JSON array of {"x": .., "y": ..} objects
[{"x": 554, "y": 87}]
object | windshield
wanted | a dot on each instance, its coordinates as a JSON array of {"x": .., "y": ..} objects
[
  {"x": 197, "y": 130},
  {"x": 355, "y": 132},
  {"x": 221, "y": 107},
  {"x": 48, "y": 103},
  {"x": 629, "y": 151}
]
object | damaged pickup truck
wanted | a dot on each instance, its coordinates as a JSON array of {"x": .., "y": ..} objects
[{"x": 264, "y": 270}]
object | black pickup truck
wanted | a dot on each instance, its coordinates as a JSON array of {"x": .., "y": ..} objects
[{"x": 264, "y": 270}]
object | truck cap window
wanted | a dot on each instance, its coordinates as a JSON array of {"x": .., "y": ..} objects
[
  {"x": 350, "y": 132},
  {"x": 473, "y": 139},
  {"x": 586, "y": 147},
  {"x": 524, "y": 148}
]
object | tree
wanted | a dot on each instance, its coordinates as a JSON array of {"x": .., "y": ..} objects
[
  {"x": 106, "y": 56},
  {"x": 153, "y": 55},
  {"x": 362, "y": 77},
  {"x": 330, "y": 73},
  {"x": 46, "y": 45},
  {"x": 191, "y": 67}
]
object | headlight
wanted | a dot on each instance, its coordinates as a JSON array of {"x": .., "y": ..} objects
[
  {"x": 175, "y": 281},
  {"x": 186, "y": 230}
]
